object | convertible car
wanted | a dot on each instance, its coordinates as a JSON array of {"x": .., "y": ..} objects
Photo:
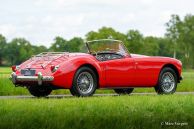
[{"x": 107, "y": 65}]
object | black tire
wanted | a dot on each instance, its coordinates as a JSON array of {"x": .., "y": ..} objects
[
  {"x": 90, "y": 82},
  {"x": 72, "y": 92},
  {"x": 39, "y": 91},
  {"x": 166, "y": 87},
  {"x": 124, "y": 91}
]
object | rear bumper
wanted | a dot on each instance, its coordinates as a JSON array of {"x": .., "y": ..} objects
[{"x": 39, "y": 79}]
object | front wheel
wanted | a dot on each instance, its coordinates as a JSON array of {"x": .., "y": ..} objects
[
  {"x": 124, "y": 91},
  {"x": 84, "y": 82},
  {"x": 39, "y": 91},
  {"x": 167, "y": 82}
]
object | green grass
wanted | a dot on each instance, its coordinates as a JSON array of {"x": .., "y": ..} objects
[
  {"x": 116, "y": 112},
  {"x": 7, "y": 88},
  {"x": 5, "y": 70}
]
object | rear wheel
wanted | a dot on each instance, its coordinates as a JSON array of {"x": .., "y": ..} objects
[
  {"x": 39, "y": 91},
  {"x": 84, "y": 82},
  {"x": 167, "y": 82},
  {"x": 124, "y": 91}
]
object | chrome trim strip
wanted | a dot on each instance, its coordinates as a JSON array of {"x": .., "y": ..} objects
[
  {"x": 87, "y": 44},
  {"x": 38, "y": 78},
  {"x": 104, "y": 40},
  {"x": 34, "y": 78}
]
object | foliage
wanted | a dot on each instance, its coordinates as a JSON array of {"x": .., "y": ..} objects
[
  {"x": 134, "y": 41},
  {"x": 105, "y": 33},
  {"x": 2, "y": 48},
  {"x": 178, "y": 42},
  {"x": 18, "y": 50},
  {"x": 73, "y": 45},
  {"x": 150, "y": 46},
  {"x": 181, "y": 34}
]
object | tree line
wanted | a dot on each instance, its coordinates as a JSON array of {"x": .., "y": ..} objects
[{"x": 178, "y": 42}]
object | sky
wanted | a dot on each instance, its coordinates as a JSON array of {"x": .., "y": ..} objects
[{"x": 40, "y": 21}]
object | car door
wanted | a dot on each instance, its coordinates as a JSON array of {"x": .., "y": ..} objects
[
  {"x": 120, "y": 72},
  {"x": 147, "y": 71}
]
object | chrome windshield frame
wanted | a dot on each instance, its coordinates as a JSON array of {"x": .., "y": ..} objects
[{"x": 124, "y": 47}]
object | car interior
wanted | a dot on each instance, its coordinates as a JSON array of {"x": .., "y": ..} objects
[{"x": 104, "y": 56}]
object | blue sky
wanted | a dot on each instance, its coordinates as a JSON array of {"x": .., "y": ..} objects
[{"x": 39, "y": 21}]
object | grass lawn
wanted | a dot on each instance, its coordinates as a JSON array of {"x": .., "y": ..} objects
[
  {"x": 113, "y": 112},
  {"x": 5, "y": 70},
  {"x": 7, "y": 88}
]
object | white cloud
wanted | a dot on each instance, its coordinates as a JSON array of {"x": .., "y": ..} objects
[
  {"x": 7, "y": 29},
  {"x": 41, "y": 20},
  {"x": 165, "y": 16},
  {"x": 147, "y": 2}
]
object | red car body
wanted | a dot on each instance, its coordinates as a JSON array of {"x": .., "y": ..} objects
[{"x": 131, "y": 70}]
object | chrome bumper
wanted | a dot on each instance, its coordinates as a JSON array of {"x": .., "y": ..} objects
[{"x": 40, "y": 78}]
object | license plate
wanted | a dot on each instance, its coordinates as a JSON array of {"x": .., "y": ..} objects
[{"x": 28, "y": 72}]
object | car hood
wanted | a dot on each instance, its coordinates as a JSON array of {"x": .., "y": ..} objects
[{"x": 156, "y": 57}]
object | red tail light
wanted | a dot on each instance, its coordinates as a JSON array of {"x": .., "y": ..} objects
[
  {"x": 52, "y": 68},
  {"x": 13, "y": 68}
]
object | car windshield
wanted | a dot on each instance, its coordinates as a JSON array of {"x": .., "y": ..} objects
[{"x": 106, "y": 45}]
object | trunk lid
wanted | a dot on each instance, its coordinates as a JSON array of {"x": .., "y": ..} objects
[{"x": 41, "y": 61}]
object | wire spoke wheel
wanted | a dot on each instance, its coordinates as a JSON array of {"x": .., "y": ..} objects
[
  {"x": 168, "y": 82},
  {"x": 85, "y": 82}
]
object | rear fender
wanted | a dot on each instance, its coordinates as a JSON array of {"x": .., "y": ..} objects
[{"x": 65, "y": 74}]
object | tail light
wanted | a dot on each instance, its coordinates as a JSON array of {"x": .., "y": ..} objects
[
  {"x": 54, "y": 68},
  {"x": 14, "y": 68}
]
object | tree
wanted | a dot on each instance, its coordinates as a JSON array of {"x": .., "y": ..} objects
[
  {"x": 38, "y": 49},
  {"x": 62, "y": 45},
  {"x": 187, "y": 40},
  {"x": 76, "y": 44},
  {"x": 181, "y": 34},
  {"x": 58, "y": 45},
  {"x": 2, "y": 48},
  {"x": 173, "y": 31},
  {"x": 134, "y": 41},
  {"x": 105, "y": 33},
  {"x": 151, "y": 46},
  {"x": 165, "y": 46},
  {"x": 18, "y": 50}
]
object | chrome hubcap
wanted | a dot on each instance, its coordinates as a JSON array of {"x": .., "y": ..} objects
[
  {"x": 168, "y": 82},
  {"x": 85, "y": 82}
]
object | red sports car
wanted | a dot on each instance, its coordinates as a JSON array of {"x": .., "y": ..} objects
[{"x": 107, "y": 65}]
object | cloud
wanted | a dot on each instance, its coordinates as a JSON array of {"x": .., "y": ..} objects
[
  {"x": 7, "y": 29},
  {"x": 39, "y": 21}
]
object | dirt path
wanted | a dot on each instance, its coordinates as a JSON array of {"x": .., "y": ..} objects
[{"x": 69, "y": 96}]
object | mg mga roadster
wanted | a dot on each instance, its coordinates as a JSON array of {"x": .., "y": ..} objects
[{"x": 107, "y": 65}]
